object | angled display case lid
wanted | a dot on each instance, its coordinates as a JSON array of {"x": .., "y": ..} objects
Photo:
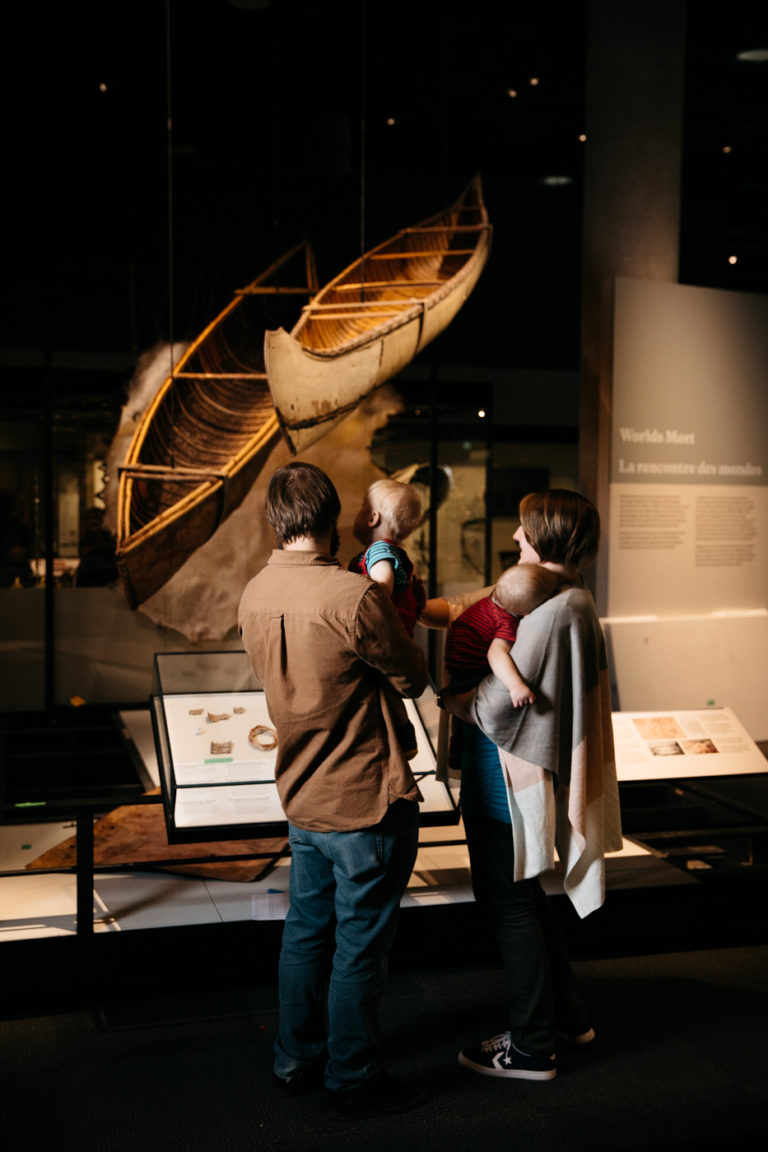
[{"x": 216, "y": 750}]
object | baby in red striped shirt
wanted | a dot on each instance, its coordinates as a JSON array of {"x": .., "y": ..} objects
[{"x": 479, "y": 641}]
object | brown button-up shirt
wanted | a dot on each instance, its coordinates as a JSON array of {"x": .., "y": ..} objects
[{"x": 334, "y": 659}]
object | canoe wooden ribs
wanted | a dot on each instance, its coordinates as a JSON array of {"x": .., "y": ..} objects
[
  {"x": 372, "y": 319},
  {"x": 204, "y": 438}
]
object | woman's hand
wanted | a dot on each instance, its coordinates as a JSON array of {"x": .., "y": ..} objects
[{"x": 459, "y": 704}]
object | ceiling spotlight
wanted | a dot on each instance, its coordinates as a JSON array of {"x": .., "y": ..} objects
[
  {"x": 534, "y": 80},
  {"x": 391, "y": 120},
  {"x": 511, "y": 92},
  {"x": 481, "y": 413},
  {"x": 102, "y": 87},
  {"x": 733, "y": 259},
  {"x": 583, "y": 138},
  {"x": 727, "y": 149}
]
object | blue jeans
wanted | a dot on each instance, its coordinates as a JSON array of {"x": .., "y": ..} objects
[{"x": 345, "y": 892}]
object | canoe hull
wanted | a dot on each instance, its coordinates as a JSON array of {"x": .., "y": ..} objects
[
  {"x": 151, "y": 556},
  {"x": 207, "y": 433},
  {"x": 315, "y": 388}
]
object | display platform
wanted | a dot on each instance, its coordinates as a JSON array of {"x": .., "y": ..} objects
[
  {"x": 216, "y": 750},
  {"x": 693, "y": 787},
  {"x": 665, "y": 745}
]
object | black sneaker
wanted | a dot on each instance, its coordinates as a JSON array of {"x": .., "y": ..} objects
[
  {"x": 500, "y": 1057},
  {"x": 302, "y": 1080},
  {"x": 381, "y": 1096}
]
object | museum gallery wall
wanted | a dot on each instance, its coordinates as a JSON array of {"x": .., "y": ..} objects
[{"x": 688, "y": 533}]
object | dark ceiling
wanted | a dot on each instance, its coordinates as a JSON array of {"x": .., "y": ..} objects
[{"x": 341, "y": 122}]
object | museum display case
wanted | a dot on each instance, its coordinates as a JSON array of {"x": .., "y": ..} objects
[{"x": 216, "y": 750}]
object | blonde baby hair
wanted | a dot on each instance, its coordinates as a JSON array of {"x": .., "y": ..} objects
[{"x": 398, "y": 504}]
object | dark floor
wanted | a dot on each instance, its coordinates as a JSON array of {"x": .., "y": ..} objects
[{"x": 680, "y": 1062}]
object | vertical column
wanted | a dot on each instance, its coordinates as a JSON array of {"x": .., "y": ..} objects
[
  {"x": 634, "y": 120},
  {"x": 84, "y": 873}
]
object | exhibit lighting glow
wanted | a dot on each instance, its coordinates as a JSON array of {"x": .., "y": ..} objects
[
  {"x": 753, "y": 55},
  {"x": 733, "y": 259},
  {"x": 556, "y": 181},
  {"x": 727, "y": 148},
  {"x": 628, "y": 619},
  {"x": 391, "y": 120},
  {"x": 740, "y": 613},
  {"x": 720, "y": 614}
]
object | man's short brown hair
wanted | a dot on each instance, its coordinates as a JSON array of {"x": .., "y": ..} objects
[{"x": 301, "y": 501}]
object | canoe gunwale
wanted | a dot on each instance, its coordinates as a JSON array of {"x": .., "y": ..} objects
[
  {"x": 440, "y": 223},
  {"x": 421, "y": 307},
  {"x": 219, "y": 375}
]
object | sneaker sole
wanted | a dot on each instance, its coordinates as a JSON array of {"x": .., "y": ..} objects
[{"x": 511, "y": 1073}]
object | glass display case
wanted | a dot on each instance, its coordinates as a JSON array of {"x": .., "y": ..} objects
[{"x": 216, "y": 750}]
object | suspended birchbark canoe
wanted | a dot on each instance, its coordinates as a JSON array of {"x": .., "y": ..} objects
[
  {"x": 367, "y": 324},
  {"x": 205, "y": 436}
]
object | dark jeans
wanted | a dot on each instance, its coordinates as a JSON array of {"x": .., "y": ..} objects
[
  {"x": 345, "y": 892},
  {"x": 542, "y": 993}
]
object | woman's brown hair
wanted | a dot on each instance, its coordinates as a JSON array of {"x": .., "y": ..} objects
[{"x": 563, "y": 527}]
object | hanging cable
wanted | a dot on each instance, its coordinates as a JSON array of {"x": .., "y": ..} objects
[
  {"x": 362, "y": 148},
  {"x": 169, "y": 146}
]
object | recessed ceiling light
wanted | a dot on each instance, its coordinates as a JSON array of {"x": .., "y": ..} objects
[{"x": 555, "y": 181}]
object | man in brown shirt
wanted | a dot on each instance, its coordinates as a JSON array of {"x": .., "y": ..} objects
[{"x": 334, "y": 659}]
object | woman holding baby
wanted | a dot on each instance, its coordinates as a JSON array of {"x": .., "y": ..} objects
[{"x": 535, "y": 778}]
